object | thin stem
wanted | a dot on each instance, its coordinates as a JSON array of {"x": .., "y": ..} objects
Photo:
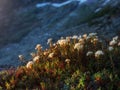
[{"x": 112, "y": 63}]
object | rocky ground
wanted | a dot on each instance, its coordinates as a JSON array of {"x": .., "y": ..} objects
[{"x": 30, "y": 25}]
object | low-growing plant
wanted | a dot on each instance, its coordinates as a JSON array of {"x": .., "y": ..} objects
[{"x": 72, "y": 63}]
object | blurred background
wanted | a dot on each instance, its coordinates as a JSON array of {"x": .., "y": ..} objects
[{"x": 25, "y": 23}]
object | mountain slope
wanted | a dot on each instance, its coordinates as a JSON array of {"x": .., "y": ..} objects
[{"x": 30, "y": 25}]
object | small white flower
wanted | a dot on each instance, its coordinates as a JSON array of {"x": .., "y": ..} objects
[
  {"x": 51, "y": 55},
  {"x": 30, "y": 64},
  {"x": 21, "y": 57},
  {"x": 88, "y": 38},
  {"x": 85, "y": 36},
  {"x": 54, "y": 44},
  {"x": 62, "y": 38},
  {"x": 79, "y": 37},
  {"x": 115, "y": 38},
  {"x": 99, "y": 53},
  {"x": 62, "y": 42},
  {"x": 94, "y": 41},
  {"x": 38, "y": 47},
  {"x": 81, "y": 41},
  {"x": 112, "y": 43},
  {"x": 68, "y": 39},
  {"x": 45, "y": 53},
  {"x": 119, "y": 44},
  {"x": 89, "y": 53},
  {"x": 92, "y": 34},
  {"x": 110, "y": 48},
  {"x": 78, "y": 46},
  {"x": 75, "y": 37},
  {"x": 49, "y": 41},
  {"x": 67, "y": 60},
  {"x": 32, "y": 54},
  {"x": 36, "y": 59}
]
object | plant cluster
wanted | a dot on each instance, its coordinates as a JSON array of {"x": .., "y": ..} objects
[{"x": 72, "y": 63}]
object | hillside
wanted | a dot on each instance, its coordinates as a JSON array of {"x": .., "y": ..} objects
[
  {"x": 60, "y": 45},
  {"x": 31, "y": 23}
]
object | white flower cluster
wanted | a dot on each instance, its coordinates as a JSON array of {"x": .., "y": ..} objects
[
  {"x": 67, "y": 60},
  {"x": 89, "y": 53},
  {"x": 33, "y": 54},
  {"x": 92, "y": 34},
  {"x": 62, "y": 42},
  {"x": 114, "y": 41},
  {"x": 75, "y": 37},
  {"x": 78, "y": 46},
  {"x": 21, "y": 57},
  {"x": 119, "y": 44},
  {"x": 84, "y": 36},
  {"x": 30, "y": 64},
  {"x": 38, "y": 47},
  {"x": 49, "y": 41},
  {"x": 115, "y": 38},
  {"x": 110, "y": 48},
  {"x": 51, "y": 55},
  {"x": 82, "y": 41},
  {"x": 36, "y": 59},
  {"x": 99, "y": 53}
]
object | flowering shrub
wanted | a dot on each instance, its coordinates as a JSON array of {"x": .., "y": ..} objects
[{"x": 72, "y": 63}]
